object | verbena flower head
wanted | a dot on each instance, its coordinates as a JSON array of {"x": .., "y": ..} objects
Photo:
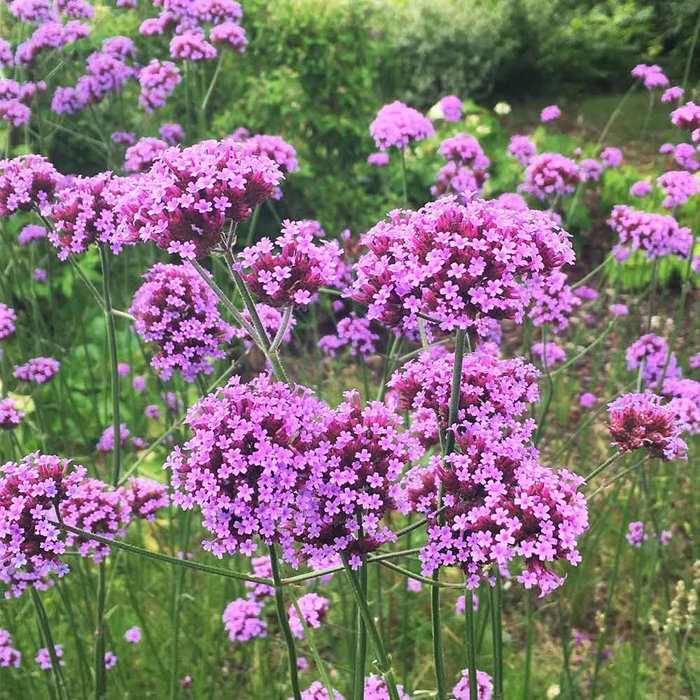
[
  {"x": 652, "y": 76},
  {"x": 590, "y": 170},
  {"x": 110, "y": 660},
  {"x": 85, "y": 212},
  {"x": 456, "y": 263},
  {"x": 554, "y": 302},
  {"x": 549, "y": 175},
  {"x": 397, "y": 125},
  {"x": 587, "y": 400},
  {"x": 99, "y": 509},
  {"x": 271, "y": 320},
  {"x": 451, "y": 108},
  {"x": 465, "y": 150},
  {"x": 273, "y": 147},
  {"x": 684, "y": 395},
  {"x": 43, "y": 657},
  {"x": 500, "y": 503},
  {"x": 190, "y": 194},
  {"x": 367, "y": 452},
  {"x": 29, "y": 234},
  {"x": 262, "y": 567},
  {"x": 640, "y": 421},
  {"x": 618, "y": 310},
  {"x": 549, "y": 114},
  {"x": 313, "y": 609},
  {"x": 655, "y": 234},
  {"x": 641, "y": 189},
  {"x": 145, "y": 497},
  {"x": 550, "y": 355},
  {"x": 379, "y": 159},
  {"x": 454, "y": 178},
  {"x": 26, "y": 182},
  {"x": 673, "y": 94},
  {"x": 353, "y": 333},
  {"x": 678, "y": 186},
  {"x": 30, "y": 542},
  {"x": 10, "y": 417},
  {"x": 175, "y": 309},
  {"x": 636, "y": 535},
  {"x": 522, "y": 149},
  {"x": 255, "y": 449},
  {"x": 493, "y": 391},
  {"x": 133, "y": 635},
  {"x": 317, "y": 691},
  {"x": 242, "y": 620},
  {"x": 512, "y": 200},
  {"x": 292, "y": 270},
  {"x": 172, "y": 134},
  {"x": 375, "y": 689},
  {"x": 106, "y": 441},
  {"x": 38, "y": 370},
  {"x": 7, "y": 321},
  {"x": 686, "y": 156},
  {"x": 484, "y": 686},
  {"x": 686, "y": 117},
  {"x": 191, "y": 46},
  {"x": 141, "y": 156},
  {"x": 8, "y": 655},
  {"x": 230, "y": 35},
  {"x": 586, "y": 293},
  {"x": 158, "y": 80},
  {"x": 611, "y": 157},
  {"x": 653, "y": 353}
]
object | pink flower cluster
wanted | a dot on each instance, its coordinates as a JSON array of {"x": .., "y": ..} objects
[
  {"x": 30, "y": 543},
  {"x": 549, "y": 355},
  {"x": 678, "y": 186},
  {"x": 106, "y": 441},
  {"x": 456, "y": 262},
  {"x": 467, "y": 166},
  {"x": 652, "y": 76},
  {"x": 611, "y": 157},
  {"x": 355, "y": 334},
  {"x": 655, "y": 234},
  {"x": 7, "y": 321},
  {"x": 554, "y": 302},
  {"x": 26, "y": 182},
  {"x": 175, "y": 309},
  {"x": 190, "y": 194},
  {"x": 292, "y": 270},
  {"x": 43, "y": 657},
  {"x": 397, "y": 125},
  {"x": 242, "y": 620},
  {"x": 652, "y": 354},
  {"x": 640, "y": 421},
  {"x": 29, "y": 234},
  {"x": 143, "y": 154},
  {"x": 317, "y": 691},
  {"x": 451, "y": 108},
  {"x": 158, "y": 80},
  {"x": 550, "y": 114},
  {"x": 8, "y": 655},
  {"x": 484, "y": 686},
  {"x": 145, "y": 497},
  {"x": 375, "y": 689},
  {"x": 522, "y": 149},
  {"x": 38, "y": 370},
  {"x": 550, "y": 175},
  {"x": 10, "y": 417},
  {"x": 684, "y": 395},
  {"x": 273, "y": 147},
  {"x": 687, "y": 117},
  {"x": 313, "y": 609}
]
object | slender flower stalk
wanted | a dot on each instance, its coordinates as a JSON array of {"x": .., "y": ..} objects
[
  {"x": 471, "y": 642},
  {"x": 496, "y": 592}
]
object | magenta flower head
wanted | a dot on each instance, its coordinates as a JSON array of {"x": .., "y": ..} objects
[
  {"x": 641, "y": 189},
  {"x": 255, "y": 452},
  {"x": 655, "y": 234},
  {"x": 158, "y": 80},
  {"x": 353, "y": 333},
  {"x": 175, "y": 309},
  {"x": 292, "y": 270},
  {"x": 456, "y": 179},
  {"x": 590, "y": 170},
  {"x": 110, "y": 660},
  {"x": 673, "y": 94},
  {"x": 43, "y": 657},
  {"x": 639, "y": 421},
  {"x": 636, "y": 534},
  {"x": 550, "y": 174},
  {"x": 618, "y": 310},
  {"x": 141, "y": 156},
  {"x": 397, "y": 125},
  {"x": 317, "y": 691},
  {"x": 85, "y": 212},
  {"x": 242, "y": 620},
  {"x": 652, "y": 352},
  {"x": 379, "y": 159},
  {"x": 313, "y": 609},
  {"x": 685, "y": 401},
  {"x": 484, "y": 686},
  {"x": 229, "y": 34},
  {"x": 29, "y": 234},
  {"x": 554, "y": 301},
  {"x": 375, "y": 689},
  {"x": 550, "y": 114},
  {"x": 466, "y": 153},
  {"x": 685, "y": 155},
  {"x": 611, "y": 157},
  {"x": 191, "y": 46},
  {"x": 456, "y": 263},
  {"x": 587, "y": 400},
  {"x": 172, "y": 134},
  {"x": 586, "y": 293},
  {"x": 550, "y": 355},
  {"x": 262, "y": 568},
  {"x": 512, "y": 200},
  {"x": 8, "y": 655},
  {"x": 522, "y": 149},
  {"x": 38, "y": 370},
  {"x": 451, "y": 108},
  {"x": 271, "y": 320},
  {"x": 686, "y": 117},
  {"x": 26, "y": 182},
  {"x": 493, "y": 391},
  {"x": 190, "y": 194},
  {"x": 7, "y": 321},
  {"x": 678, "y": 186},
  {"x": 145, "y": 497},
  {"x": 652, "y": 76},
  {"x": 273, "y": 147},
  {"x": 106, "y": 441},
  {"x": 10, "y": 417},
  {"x": 30, "y": 542},
  {"x": 133, "y": 635}
]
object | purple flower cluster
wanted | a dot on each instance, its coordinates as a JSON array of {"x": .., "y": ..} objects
[
  {"x": 158, "y": 80},
  {"x": 8, "y": 655},
  {"x": 456, "y": 262},
  {"x": 106, "y": 441},
  {"x": 10, "y": 417},
  {"x": 678, "y": 186},
  {"x": 522, "y": 149},
  {"x": 640, "y": 421},
  {"x": 451, "y": 108},
  {"x": 191, "y": 193},
  {"x": 43, "y": 657},
  {"x": 7, "y": 321},
  {"x": 292, "y": 270},
  {"x": 550, "y": 114},
  {"x": 313, "y": 609},
  {"x": 271, "y": 320},
  {"x": 99, "y": 509},
  {"x": 397, "y": 125},
  {"x": 636, "y": 535},
  {"x": 652, "y": 354},
  {"x": 684, "y": 395},
  {"x": 317, "y": 691},
  {"x": 641, "y": 189},
  {"x": 611, "y": 157},
  {"x": 467, "y": 165},
  {"x": 673, "y": 94},
  {"x": 652, "y": 76},
  {"x": 550, "y": 355},
  {"x": 686, "y": 156},
  {"x": 554, "y": 302},
  {"x": 242, "y": 620},
  {"x": 273, "y": 147},
  {"x": 145, "y": 497},
  {"x": 143, "y": 154},
  {"x": 379, "y": 159},
  {"x": 687, "y": 117},
  {"x": 354, "y": 333},
  {"x": 29, "y": 234},
  {"x": 38, "y": 370},
  {"x": 375, "y": 689},
  {"x": 191, "y": 46},
  {"x": 550, "y": 175},
  {"x": 484, "y": 686},
  {"x": 133, "y": 635},
  {"x": 26, "y": 182},
  {"x": 31, "y": 491},
  {"x": 590, "y": 170},
  {"x": 655, "y": 234},
  {"x": 175, "y": 309},
  {"x": 229, "y": 34},
  {"x": 172, "y": 134}
]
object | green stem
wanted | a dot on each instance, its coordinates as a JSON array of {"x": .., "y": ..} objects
[
  {"x": 99, "y": 661},
  {"x": 283, "y": 619},
  {"x": 360, "y": 642},
  {"x": 45, "y": 629},
  {"x": 528, "y": 644},
  {"x": 404, "y": 177},
  {"x": 471, "y": 642},
  {"x": 604, "y": 465},
  {"x": 383, "y": 660},
  {"x": 175, "y": 610},
  {"x": 496, "y": 594}
]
